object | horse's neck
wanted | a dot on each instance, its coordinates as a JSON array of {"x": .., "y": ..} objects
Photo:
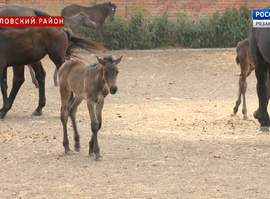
[{"x": 102, "y": 10}]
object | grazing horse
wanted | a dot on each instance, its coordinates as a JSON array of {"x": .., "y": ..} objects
[
  {"x": 72, "y": 23},
  {"x": 244, "y": 59},
  {"x": 97, "y": 13},
  {"x": 92, "y": 83},
  {"x": 23, "y": 46},
  {"x": 80, "y": 19},
  {"x": 259, "y": 43}
]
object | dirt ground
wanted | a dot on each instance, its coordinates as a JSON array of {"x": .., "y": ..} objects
[{"x": 167, "y": 133}]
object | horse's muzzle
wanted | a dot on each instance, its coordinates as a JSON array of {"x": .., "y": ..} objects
[{"x": 113, "y": 89}]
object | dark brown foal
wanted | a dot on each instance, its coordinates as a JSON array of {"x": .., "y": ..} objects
[{"x": 244, "y": 59}]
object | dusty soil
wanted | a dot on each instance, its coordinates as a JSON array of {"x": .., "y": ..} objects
[{"x": 167, "y": 133}]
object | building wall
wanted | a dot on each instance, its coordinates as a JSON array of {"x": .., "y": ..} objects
[{"x": 194, "y": 8}]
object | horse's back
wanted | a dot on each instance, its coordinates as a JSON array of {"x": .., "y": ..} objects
[
  {"x": 14, "y": 10},
  {"x": 72, "y": 76},
  {"x": 70, "y": 66},
  {"x": 71, "y": 10}
]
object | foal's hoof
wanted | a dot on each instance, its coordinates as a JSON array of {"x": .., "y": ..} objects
[
  {"x": 55, "y": 84},
  {"x": 69, "y": 152},
  {"x": 264, "y": 129},
  {"x": 36, "y": 113},
  {"x": 235, "y": 109},
  {"x": 99, "y": 159}
]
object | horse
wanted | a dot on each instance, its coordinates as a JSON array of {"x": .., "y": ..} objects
[
  {"x": 72, "y": 23},
  {"x": 244, "y": 59},
  {"x": 15, "y": 10},
  {"x": 91, "y": 83},
  {"x": 97, "y": 13},
  {"x": 259, "y": 44},
  {"x": 23, "y": 46}
]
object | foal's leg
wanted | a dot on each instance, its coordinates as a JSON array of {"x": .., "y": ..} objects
[
  {"x": 40, "y": 76},
  {"x": 64, "y": 93},
  {"x": 245, "y": 72},
  {"x": 99, "y": 34},
  {"x": 4, "y": 109},
  {"x": 72, "y": 112},
  {"x": 33, "y": 77},
  {"x": 107, "y": 43},
  {"x": 238, "y": 101},
  {"x": 244, "y": 89},
  {"x": 99, "y": 113},
  {"x": 99, "y": 117},
  {"x": 94, "y": 127}
]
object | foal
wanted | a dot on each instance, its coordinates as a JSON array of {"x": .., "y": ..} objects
[
  {"x": 245, "y": 60},
  {"x": 92, "y": 83}
]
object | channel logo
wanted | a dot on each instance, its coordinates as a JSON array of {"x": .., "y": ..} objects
[
  {"x": 261, "y": 18},
  {"x": 31, "y": 21}
]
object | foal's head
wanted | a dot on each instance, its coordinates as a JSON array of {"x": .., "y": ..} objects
[
  {"x": 112, "y": 9},
  {"x": 110, "y": 71}
]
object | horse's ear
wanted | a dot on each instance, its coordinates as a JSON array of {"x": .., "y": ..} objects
[
  {"x": 117, "y": 61},
  {"x": 101, "y": 61}
]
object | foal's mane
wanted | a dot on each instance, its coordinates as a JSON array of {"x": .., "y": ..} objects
[
  {"x": 104, "y": 4},
  {"x": 109, "y": 58}
]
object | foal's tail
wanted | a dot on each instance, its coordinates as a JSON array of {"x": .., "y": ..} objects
[{"x": 237, "y": 60}]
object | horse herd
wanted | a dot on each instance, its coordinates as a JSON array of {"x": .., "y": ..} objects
[{"x": 78, "y": 81}]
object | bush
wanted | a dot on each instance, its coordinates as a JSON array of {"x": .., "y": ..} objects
[
  {"x": 136, "y": 33},
  {"x": 217, "y": 31},
  {"x": 139, "y": 33}
]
